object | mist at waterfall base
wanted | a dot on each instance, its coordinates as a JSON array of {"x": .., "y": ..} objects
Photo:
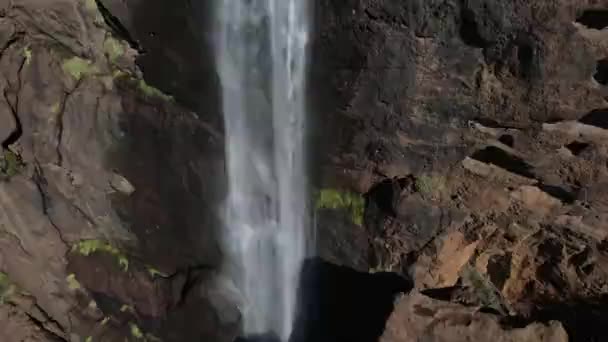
[{"x": 261, "y": 56}]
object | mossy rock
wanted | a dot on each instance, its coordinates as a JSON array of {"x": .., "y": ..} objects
[
  {"x": 27, "y": 54},
  {"x": 88, "y": 247},
  {"x": 351, "y": 202},
  {"x": 7, "y": 288},
  {"x": 73, "y": 283},
  {"x": 79, "y": 67},
  {"x": 136, "y": 331},
  {"x": 151, "y": 91},
  {"x": 430, "y": 186},
  {"x": 488, "y": 295},
  {"x": 113, "y": 48},
  {"x": 10, "y": 164}
]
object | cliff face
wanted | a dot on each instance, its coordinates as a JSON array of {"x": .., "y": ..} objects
[
  {"x": 105, "y": 201},
  {"x": 458, "y": 144},
  {"x": 476, "y": 132}
]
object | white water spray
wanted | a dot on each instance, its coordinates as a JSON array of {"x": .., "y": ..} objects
[{"x": 261, "y": 55}]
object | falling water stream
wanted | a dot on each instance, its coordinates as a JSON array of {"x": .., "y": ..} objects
[{"x": 261, "y": 55}]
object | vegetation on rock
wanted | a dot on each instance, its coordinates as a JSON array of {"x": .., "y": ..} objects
[
  {"x": 79, "y": 67},
  {"x": 135, "y": 331},
  {"x": 151, "y": 91},
  {"x": 7, "y": 288},
  {"x": 336, "y": 199},
  {"x": 10, "y": 164},
  {"x": 487, "y": 293},
  {"x": 429, "y": 185},
  {"x": 73, "y": 284},
  {"x": 88, "y": 247},
  {"x": 27, "y": 54},
  {"x": 113, "y": 48},
  {"x": 155, "y": 273}
]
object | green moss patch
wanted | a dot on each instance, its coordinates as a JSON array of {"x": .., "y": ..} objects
[
  {"x": 55, "y": 108},
  {"x": 487, "y": 293},
  {"x": 73, "y": 284},
  {"x": 92, "y": 8},
  {"x": 153, "y": 272},
  {"x": 135, "y": 331},
  {"x": 354, "y": 203},
  {"x": 430, "y": 185},
  {"x": 113, "y": 48},
  {"x": 7, "y": 288},
  {"x": 91, "y": 5},
  {"x": 88, "y": 247},
  {"x": 10, "y": 163},
  {"x": 151, "y": 91},
  {"x": 27, "y": 54},
  {"x": 78, "y": 67}
]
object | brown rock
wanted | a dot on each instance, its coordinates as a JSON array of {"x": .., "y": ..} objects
[
  {"x": 417, "y": 317},
  {"x": 17, "y": 326}
]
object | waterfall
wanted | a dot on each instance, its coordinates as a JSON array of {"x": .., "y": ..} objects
[{"x": 261, "y": 56}]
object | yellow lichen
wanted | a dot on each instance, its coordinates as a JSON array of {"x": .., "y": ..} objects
[
  {"x": 27, "y": 54},
  {"x": 119, "y": 74},
  {"x": 55, "y": 108},
  {"x": 336, "y": 199},
  {"x": 91, "y": 7},
  {"x": 135, "y": 331},
  {"x": 78, "y": 67},
  {"x": 155, "y": 273},
  {"x": 7, "y": 288},
  {"x": 73, "y": 284},
  {"x": 88, "y": 247},
  {"x": 113, "y": 48},
  {"x": 150, "y": 91},
  {"x": 126, "y": 308},
  {"x": 89, "y": 339}
]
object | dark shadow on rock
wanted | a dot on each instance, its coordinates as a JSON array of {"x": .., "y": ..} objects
[
  {"x": 594, "y": 18},
  {"x": 259, "y": 338},
  {"x": 601, "y": 72},
  {"x": 567, "y": 197},
  {"x": 176, "y": 44},
  {"x": 338, "y": 54},
  {"x": 338, "y": 304},
  {"x": 505, "y": 160},
  {"x": 597, "y": 118},
  {"x": 469, "y": 32},
  {"x": 577, "y": 147},
  {"x": 169, "y": 156},
  {"x": 584, "y": 320}
]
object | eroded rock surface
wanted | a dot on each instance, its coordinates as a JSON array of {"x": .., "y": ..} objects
[
  {"x": 419, "y": 318},
  {"x": 103, "y": 221},
  {"x": 475, "y": 131},
  {"x": 462, "y": 144}
]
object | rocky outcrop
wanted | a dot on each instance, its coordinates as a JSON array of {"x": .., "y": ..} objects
[
  {"x": 417, "y": 317},
  {"x": 475, "y": 132},
  {"x": 107, "y": 220},
  {"x": 457, "y": 143}
]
